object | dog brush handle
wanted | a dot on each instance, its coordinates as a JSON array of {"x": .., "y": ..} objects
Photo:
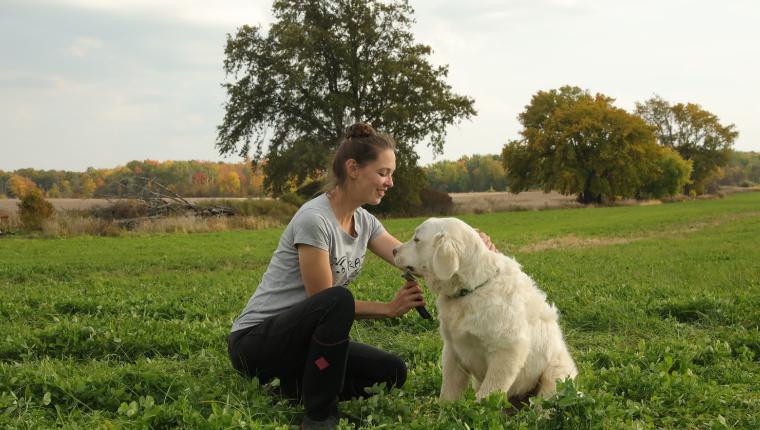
[
  {"x": 420, "y": 309},
  {"x": 423, "y": 312}
]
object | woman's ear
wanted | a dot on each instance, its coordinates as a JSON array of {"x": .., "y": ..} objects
[{"x": 352, "y": 168}]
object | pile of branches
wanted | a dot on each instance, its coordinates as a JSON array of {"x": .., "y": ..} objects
[{"x": 156, "y": 200}]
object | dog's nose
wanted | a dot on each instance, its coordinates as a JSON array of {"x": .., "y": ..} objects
[{"x": 395, "y": 251}]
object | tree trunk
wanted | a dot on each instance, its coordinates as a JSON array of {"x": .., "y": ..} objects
[{"x": 586, "y": 196}]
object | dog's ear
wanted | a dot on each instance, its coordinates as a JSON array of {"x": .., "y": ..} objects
[{"x": 445, "y": 257}]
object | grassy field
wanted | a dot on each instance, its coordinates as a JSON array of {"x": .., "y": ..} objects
[{"x": 660, "y": 307}]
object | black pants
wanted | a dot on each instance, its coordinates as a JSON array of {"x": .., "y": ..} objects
[{"x": 308, "y": 349}]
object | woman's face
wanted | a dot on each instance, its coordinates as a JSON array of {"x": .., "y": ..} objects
[{"x": 372, "y": 180}]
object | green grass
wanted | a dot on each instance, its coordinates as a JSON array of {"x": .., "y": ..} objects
[{"x": 130, "y": 331}]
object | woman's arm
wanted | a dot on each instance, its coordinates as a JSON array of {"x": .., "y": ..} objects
[
  {"x": 383, "y": 246},
  {"x": 314, "y": 264},
  {"x": 407, "y": 297}
]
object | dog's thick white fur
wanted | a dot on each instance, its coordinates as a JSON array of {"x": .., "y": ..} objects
[{"x": 496, "y": 324}]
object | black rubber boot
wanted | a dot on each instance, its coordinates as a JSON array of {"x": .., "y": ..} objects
[
  {"x": 329, "y": 423},
  {"x": 323, "y": 379}
]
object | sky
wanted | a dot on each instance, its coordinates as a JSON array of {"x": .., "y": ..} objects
[{"x": 97, "y": 83}]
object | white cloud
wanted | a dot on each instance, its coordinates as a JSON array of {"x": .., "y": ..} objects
[
  {"x": 83, "y": 45},
  {"x": 221, "y": 13}
]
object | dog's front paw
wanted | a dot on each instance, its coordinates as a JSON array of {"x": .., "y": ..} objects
[{"x": 447, "y": 397}]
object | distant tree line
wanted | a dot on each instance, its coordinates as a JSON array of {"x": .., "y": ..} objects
[
  {"x": 187, "y": 178},
  {"x": 469, "y": 173},
  {"x": 572, "y": 142},
  {"x": 743, "y": 169},
  {"x": 214, "y": 179}
]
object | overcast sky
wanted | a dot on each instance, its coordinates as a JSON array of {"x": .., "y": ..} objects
[{"x": 97, "y": 83}]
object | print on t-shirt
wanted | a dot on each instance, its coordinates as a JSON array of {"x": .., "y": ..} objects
[{"x": 345, "y": 270}]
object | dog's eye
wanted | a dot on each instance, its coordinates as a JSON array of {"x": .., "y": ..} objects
[{"x": 416, "y": 240}]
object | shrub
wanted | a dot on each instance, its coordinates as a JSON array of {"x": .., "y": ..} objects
[
  {"x": 436, "y": 202},
  {"x": 293, "y": 199},
  {"x": 311, "y": 189},
  {"x": 255, "y": 207},
  {"x": 121, "y": 209},
  {"x": 70, "y": 223},
  {"x": 34, "y": 209}
]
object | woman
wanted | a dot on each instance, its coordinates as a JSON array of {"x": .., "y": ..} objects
[{"x": 296, "y": 326}]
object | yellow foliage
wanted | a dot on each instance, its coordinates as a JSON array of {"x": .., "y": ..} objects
[{"x": 21, "y": 185}]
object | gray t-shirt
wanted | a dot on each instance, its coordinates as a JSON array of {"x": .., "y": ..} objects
[{"x": 314, "y": 224}]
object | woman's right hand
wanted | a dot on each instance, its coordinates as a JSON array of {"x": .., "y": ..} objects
[{"x": 408, "y": 297}]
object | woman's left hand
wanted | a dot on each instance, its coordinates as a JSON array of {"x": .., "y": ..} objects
[
  {"x": 487, "y": 240},
  {"x": 409, "y": 296}
]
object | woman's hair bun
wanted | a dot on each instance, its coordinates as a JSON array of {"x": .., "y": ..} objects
[{"x": 358, "y": 130}]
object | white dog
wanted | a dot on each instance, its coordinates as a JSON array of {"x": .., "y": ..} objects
[{"x": 496, "y": 324}]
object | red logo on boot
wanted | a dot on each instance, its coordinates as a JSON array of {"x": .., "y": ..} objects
[{"x": 322, "y": 363}]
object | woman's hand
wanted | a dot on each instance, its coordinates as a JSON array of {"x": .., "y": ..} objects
[
  {"x": 487, "y": 240},
  {"x": 408, "y": 297}
]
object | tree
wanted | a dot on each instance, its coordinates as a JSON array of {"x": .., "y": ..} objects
[
  {"x": 5, "y": 178},
  {"x": 522, "y": 159},
  {"x": 66, "y": 190},
  {"x": 229, "y": 183},
  {"x": 666, "y": 176},
  {"x": 695, "y": 133},
  {"x": 486, "y": 172},
  {"x": 54, "y": 192},
  {"x": 33, "y": 209},
  {"x": 323, "y": 65},
  {"x": 575, "y": 143},
  {"x": 475, "y": 173},
  {"x": 19, "y": 185},
  {"x": 448, "y": 176},
  {"x": 87, "y": 187},
  {"x": 200, "y": 183}
]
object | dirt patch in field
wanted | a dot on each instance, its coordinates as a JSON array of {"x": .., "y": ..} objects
[{"x": 572, "y": 241}]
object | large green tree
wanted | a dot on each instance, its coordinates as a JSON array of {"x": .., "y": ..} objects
[
  {"x": 323, "y": 65},
  {"x": 576, "y": 143},
  {"x": 695, "y": 133}
]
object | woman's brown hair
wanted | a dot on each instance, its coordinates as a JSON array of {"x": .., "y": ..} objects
[{"x": 360, "y": 142}]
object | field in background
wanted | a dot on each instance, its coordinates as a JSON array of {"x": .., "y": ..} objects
[
  {"x": 463, "y": 202},
  {"x": 659, "y": 304},
  {"x": 487, "y": 202}
]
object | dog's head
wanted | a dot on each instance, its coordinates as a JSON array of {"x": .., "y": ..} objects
[{"x": 439, "y": 249}]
